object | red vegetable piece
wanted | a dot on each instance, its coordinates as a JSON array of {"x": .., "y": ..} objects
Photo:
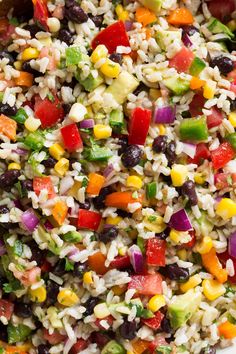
[
  {"x": 41, "y": 13},
  {"x": 6, "y": 308},
  {"x": 155, "y": 253},
  {"x": 196, "y": 105},
  {"x": 112, "y": 37},
  {"x": 222, "y": 9},
  {"x": 54, "y": 338},
  {"x": 88, "y": 219},
  {"x": 224, "y": 257},
  {"x": 80, "y": 345},
  {"x": 158, "y": 341},
  {"x": 40, "y": 183},
  {"x": 48, "y": 111},
  {"x": 215, "y": 118},
  {"x": 224, "y": 180},
  {"x": 139, "y": 125},
  {"x": 150, "y": 284},
  {"x": 192, "y": 242},
  {"x": 46, "y": 267},
  {"x": 120, "y": 262},
  {"x": 71, "y": 137},
  {"x": 202, "y": 153},
  {"x": 109, "y": 319},
  {"x": 182, "y": 60},
  {"x": 222, "y": 155},
  {"x": 155, "y": 322}
]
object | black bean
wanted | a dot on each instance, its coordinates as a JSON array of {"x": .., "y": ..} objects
[
  {"x": 33, "y": 29},
  {"x": 49, "y": 163},
  {"x": 89, "y": 305},
  {"x": 65, "y": 36},
  {"x": 165, "y": 325},
  {"x": 86, "y": 205},
  {"x": 108, "y": 234},
  {"x": 43, "y": 349},
  {"x": 190, "y": 30},
  {"x": 22, "y": 310},
  {"x": 3, "y": 332},
  {"x": 66, "y": 107},
  {"x": 123, "y": 142},
  {"x": 4, "y": 209},
  {"x": 128, "y": 330},
  {"x": 225, "y": 64},
  {"x": 132, "y": 156},
  {"x": 233, "y": 105},
  {"x": 160, "y": 143},
  {"x": 123, "y": 213},
  {"x": 76, "y": 14},
  {"x": 80, "y": 269},
  {"x": 208, "y": 350},
  {"x": 170, "y": 152},
  {"x": 6, "y": 109},
  {"x": 52, "y": 292},
  {"x": 97, "y": 20},
  {"x": 59, "y": 268},
  {"x": 70, "y": 3},
  {"x": 98, "y": 201},
  {"x": 8, "y": 179},
  {"x": 141, "y": 87},
  {"x": 116, "y": 57},
  {"x": 174, "y": 272},
  {"x": 231, "y": 45},
  {"x": 37, "y": 254},
  {"x": 27, "y": 67},
  {"x": 7, "y": 55},
  {"x": 27, "y": 184},
  {"x": 189, "y": 190}
]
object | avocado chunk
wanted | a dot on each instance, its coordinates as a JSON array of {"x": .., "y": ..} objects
[
  {"x": 197, "y": 66},
  {"x": 183, "y": 307},
  {"x": 166, "y": 38},
  {"x": 215, "y": 26},
  {"x": 154, "y": 5},
  {"x": 90, "y": 83},
  {"x": 113, "y": 347},
  {"x": 122, "y": 86},
  {"x": 177, "y": 85}
]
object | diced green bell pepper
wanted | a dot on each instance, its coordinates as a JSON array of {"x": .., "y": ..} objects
[
  {"x": 194, "y": 129},
  {"x": 97, "y": 153},
  {"x": 231, "y": 138},
  {"x": 116, "y": 120},
  {"x": 177, "y": 85},
  {"x": 151, "y": 190},
  {"x": 164, "y": 349},
  {"x": 215, "y": 26},
  {"x": 20, "y": 116},
  {"x": 72, "y": 236},
  {"x": 73, "y": 55},
  {"x": 113, "y": 347},
  {"x": 197, "y": 66},
  {"x": 35, "y": 140},
  {"x": 1, "y": 96},
  {"x": 17, "y": 333}
]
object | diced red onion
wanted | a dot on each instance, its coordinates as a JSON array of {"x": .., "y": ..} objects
[
  {"x": 2, "y": 248},
  {"x": 66, "y": 183},
  {"x": 189, "y": 149},
  {"x": 21, "y": 151},
  {"x": 165, "y": 115},
  {"x": 73, "y": 254},
  {"x": 48, "y": 226},
  {"x": 136, "y": 258},
  {"x": 186, "y": 40},
  {"x": 29, "y": 220},
  {"x": 128, "y": 25},
  {"x": 18, "y": 204},
  {"x": 108, "y": 226},
  {"x": 87, "y": 124},
  {"x": 232, "y": 245},
  {"x": 109, "y": 171},
  {"x": 180, "y": 221}
]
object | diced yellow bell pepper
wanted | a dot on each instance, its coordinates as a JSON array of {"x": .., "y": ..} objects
[
  {"x": 178, "y": 175},
  {"x": 102, "y": 131},
  {"x": 212, "y": 289},
  {"x": 156, "y": 302},
  {"x": 226, "y": 208},
  {"x": 204, "y": 246},
  {"x": 134, "y": 181},
  {"x": 113, "y": 221},
  {"x": 191, "y": 283}
]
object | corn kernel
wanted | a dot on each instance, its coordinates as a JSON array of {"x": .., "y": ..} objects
[
  {"x": 62, "y": 166},
  {"x": 87, "y": 278},
  {"x": 122, "y": 14},
  {"x": 134, "y": 181},
  {"x": 199, "y": 179},
  {"x": 208, "y": 91},
  {"x": 102, "y": 131},
  {"x": 154, "y": 223},
  {"x": 212, "y": 289},
  {"x": 122, "y": 251},
  {"x": 99, "y": 52},
  {"x": 38, "y": 295},
  {"x": 110, "y": 69},
  {"x": 32, "y": 124},
  {"x": 191, "y": 283},
  {"x": 178, "y": 175},
  {"x": 226, "y": 208},
  {"x": 119, "y": 289},
  {"x": 29, "y": 53},
  {"x": 53, "y": 24},
  {"x": 162, "y": 129},
  {"x": 156, "y": 302},
  {"x": 204, "y": 246},
  {"x": 14, "y": 166},
  {"x": 232, "y": 119},
  {"x": 182, "y": 254},
  {"x": 18, "y": 65},
  {"x": 113, "y": 221},
  {"x": 77, "y": 112},
  {"x": 67, "y": 297},
  {"x": 179, "y": 237},
  {"x": 101, "y": 310},
  {"x": 56, "y": 151}
]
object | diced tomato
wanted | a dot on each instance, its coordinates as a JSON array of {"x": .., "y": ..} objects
[
  {"x": 196, "y": 105},
  {"x": 192, "y": 242},
  {"x": 146, "y": 284},
  {"x": 202, "y": 154},
  {"x": 48, "y": 111},
  {"x": 158, "y": 341},
  {"x": 41, "y": 13},
  {"x": 54, "y": 338},
  {"x": 6, "y": 308},
  {"x": 215, "y": 118},
  {"x": 71, "y": 137},
  {"x": 155, "y": 254},
  {"x": 224, "y": 180},
  {"x": 109, "y": 319},
  {"x": 80, "y": 345},
  {"x": 139, "y": 124},
  {"x": 182, "y": 60},
  {"x": 112, "y": 37},
  {"x": 88, "y": 219},
  {"x": 224, "y": 257},
  {"x": 120, "y": 262},
  {"x": 222, "y": 9},
  {"x": 222, "y": 155},
  {"x": 40, "y": 183},
  {"x": 155, "y": 322}
]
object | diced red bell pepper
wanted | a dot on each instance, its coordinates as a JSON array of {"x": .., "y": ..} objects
[
  {"x": 71, "y": 137},
  {"x": 88, "y": 219},
  {"x": 182, "y": 60},
  {"x": 196, "y": 105},
  {"x": 54, "y": 338},
  {"x": 222, "y": 155},
  {"x": 120, "y": 262},
  {"x": 80, "y": 345},
  {"x": 215, "y": 118},
  {"x": 155, "y": 254},
  {"x": 40, "y": 183},
  {"x": 222, "y": 9},
  {"x": 154, "y": 322},
  {"x": 202, "y": 153},
  {"x": 41, "y": 13},
  {"x": 192, "y": 242},
  {"x": 224, "y": 180},
  {"x": 112, "y": 37},
  {"x": 224, "y": 257},
  {"x": 109, "y": 319},
  {"x": 6, "y": 308},
  {"x": 48, "y": 111},
  {"x": 139, "y": 124},
  {"x": 150, "y": 284}
]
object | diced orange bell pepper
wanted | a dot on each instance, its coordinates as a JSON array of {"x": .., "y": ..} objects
[
  {"x": 96, "y": 182},
  {"x": 139, "y": 346},
  {"x": 59, "y": 212},
  {"x": 122, "y": 199},
  {"x": 19, "y": 349},
  {"x": 227, "y": 330},
  {"x": 212, "y": 264},
  {"x": 25, "y": 79},
  {"x": 196, "y": 83},
  {"x": 96, "y": 262},
  {"x": 180, "y": 17},
  {"x": 8, "y": 127},
  {"x": 145, "y": 16}
]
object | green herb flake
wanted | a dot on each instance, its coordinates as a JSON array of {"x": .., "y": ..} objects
[
  {"x": 152, "y": 218},
  {"x": 18, "y": 248},
  {"x": 68, "y": 266},
  {"x": 50, "y": 97}
]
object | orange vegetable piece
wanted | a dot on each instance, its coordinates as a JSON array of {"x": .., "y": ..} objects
[
  {"x": 95, "y": 184},
  {"x": 148, "y": 33},
  {"x": 196, "y": 83},
  {"x": 227, "y": 330},
  {"x": 97, "y": 263},
  {"x": 212, "y": 264},
  {"x": 139, "y": 346},
  {"x": 180, "y": 16},
  {"x": 8, "y": 127},
  {"x": 25, "y": 79},
  {"x": 59, "y": 212},
  {"x": 121, "y": 199},
  {"x": 145, "y": 16}
]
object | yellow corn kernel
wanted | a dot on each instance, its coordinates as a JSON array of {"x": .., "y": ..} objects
[
  {"x": 191, "y": 283},
  {"x": 29, "y": 53},
  {"x": 119, "y": 289},
  {"x": 38, "y": 295},
  {"x": 212, "y": 289},
  {"x": 232, "y": 119},
  {"x": 175, "y": 236},
  {"x": 101, "y": 310},
  {"x": 182, "y": 254},
  {"x": 226, "y": 208},
  {"x": 162, "y": 129},
  {"x": 87, "y": 278},
  {"x": 178, "y": 175},
  {"x": 62, "y": 166},
  {"x": 67, "y": 297},
  {"x": 18, "y": 65},
  {"x": 204, "y": 246},
  {"x": 110, "y": 69},
  {"x": 122, "y": 14},
  {"x": 154, "y": 223},
  {"x": 208, "y": 91},
  {"x": 113, "y": 221},
  {"x": 156, "y": 302},
  {"x": 154, "y": 94},
  {"x": 122, "y": 251},
  {"x": 199, "y": 179},
  {"x": 56, "y": 151},
  {"x": 99, "y": 52},
  {"x": 102, "y": 131},
  {"x": 14, "y": 166},
  {"x": 134, "y": 181},
  {"x": 32, "y": 124}
]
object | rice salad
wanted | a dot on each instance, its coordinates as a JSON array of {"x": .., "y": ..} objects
[{"x": 118, "y": 177}]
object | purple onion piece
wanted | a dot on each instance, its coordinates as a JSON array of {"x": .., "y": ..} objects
[
  {"x": 87, "y": 124},
  {"x": 232, "y": 245},
  {"x": 128, "y": 25},
  {"x": 21, "y": 151},
  {"x": 180, "y": 221},
  {"x": 109, "y": 171},
  {"x": 186, "y": 40},
  {"x": 48, "y": 226},
  {"x": 29, "y": 220},
  {"x": 136, "y": 258},
  {"x": 165, "y": 115}
]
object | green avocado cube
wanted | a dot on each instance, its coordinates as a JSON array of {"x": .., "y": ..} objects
[
  {"x": 177, "y": 85},
  {"x": 197, "y": 66},
  {"x": 154, "y": 5}
]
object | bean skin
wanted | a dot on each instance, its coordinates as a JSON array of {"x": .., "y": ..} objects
[{"x": 8, "y": 179}]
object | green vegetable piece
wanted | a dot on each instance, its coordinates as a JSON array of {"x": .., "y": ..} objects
[
  {"x": 183, "y": 307},
  {"x": 97, "y": 153},
  {"x": 20, "y": 116},
  {"x": 231, "y": 138},
  {"x": 166, "y": 38},
  {"x": 69, "y": 265},
  {"x": 154, "y": 5},
  {"x": 116, "y": 120},
  {"x": 164, "y": 349},
  {"x": 147, "y": 314},
  {"x": 18, "y": 248},
  {"x": 73, "y": 56},
  {"x": 35, "y": 140},
  {"x": 215, "y": 26},
  {"x": 72, "y": 236},
  {"x": 205, "y": 225},
  {"x": 177, "y": 85},
  {"x": 141, "y": 244},
  {"x": 1, "y": 96},
  {"x": 17, "y": 333},
  {"x": 151, "y": 190},
  {"x": 194, "y": 129},
  {"x": 122, "y": 86},
  {"x": 90, "y": 83},
  {"x": 113, "y": 347},
  {"x": 197, "y": 66}
]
